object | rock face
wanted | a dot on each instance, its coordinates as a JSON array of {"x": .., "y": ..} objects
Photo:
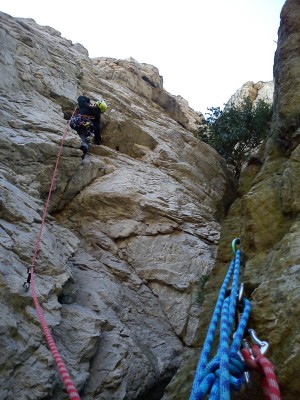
[
  {"x": 266, "y": 217},
  {"x": 128, "y": 234},
  {"x": 255, "y": 91},
  {"x": 144, "y": 80}
]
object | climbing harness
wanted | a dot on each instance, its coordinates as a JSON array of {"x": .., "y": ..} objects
[
  {"x": 80, "y": 122},
  {"x": 71, "y": 390},
  {"x": 84, "y": 126},
  {"x": 228, "y": 370}
]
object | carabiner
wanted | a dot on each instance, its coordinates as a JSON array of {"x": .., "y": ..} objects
[
  {"x": 247, "y": 374},
  {"x": 241, "y": 292},
  {"x": 26, "y": 284},
  {"x": 235, "y": 244},
  {"x": 261, "y": 343}
]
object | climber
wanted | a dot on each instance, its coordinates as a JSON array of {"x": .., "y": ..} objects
[{"x": 86, "y": 121}]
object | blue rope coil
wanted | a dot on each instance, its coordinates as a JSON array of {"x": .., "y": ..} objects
[{"x": 224, "y": 372}]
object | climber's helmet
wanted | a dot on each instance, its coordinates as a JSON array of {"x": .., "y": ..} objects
[{"x": 102, "y": 105}]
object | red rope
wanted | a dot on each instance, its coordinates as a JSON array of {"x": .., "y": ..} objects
[
  {"x": 72, "y": 392},
  {"x": 262, "y": 365}
]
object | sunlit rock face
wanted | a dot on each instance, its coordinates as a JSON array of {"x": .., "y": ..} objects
[
  {"x": 128, "y": 233},
  {"x": 253, "y": 91},
  {"x": 266, "y": 217}
]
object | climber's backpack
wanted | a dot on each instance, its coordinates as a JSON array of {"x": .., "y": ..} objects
[{"x": 81, "y": 123}]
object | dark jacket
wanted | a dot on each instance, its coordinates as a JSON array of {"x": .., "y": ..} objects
[{"x": 84, "y": 108}]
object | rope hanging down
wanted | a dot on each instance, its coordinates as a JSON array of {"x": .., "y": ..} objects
[
  {"x": 71, "y": 390},
  {"x": 256, "y": 361},
  {"x": 225, "y": 372}
]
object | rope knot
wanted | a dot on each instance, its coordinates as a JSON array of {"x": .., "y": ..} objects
[{"x": 210, "y": 381}]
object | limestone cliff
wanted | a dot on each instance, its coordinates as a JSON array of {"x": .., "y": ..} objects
[
  {"x": 129, "y": 231},
  {"x": 254, "y": 91},
  {"x": 266, "y": 217}
]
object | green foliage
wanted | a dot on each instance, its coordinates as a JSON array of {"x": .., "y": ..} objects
[
  {"x": 200, "y": 288},
  {"x": 236, "y": 131}
]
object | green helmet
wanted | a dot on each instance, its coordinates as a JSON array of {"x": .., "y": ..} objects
[{"x": 102, "y": 105}]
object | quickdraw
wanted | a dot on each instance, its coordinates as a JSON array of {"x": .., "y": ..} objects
[
  {"x": 225, "y": 372},
  {"x": 26, "y": 285},
  {"x": 231, "y": 366}
]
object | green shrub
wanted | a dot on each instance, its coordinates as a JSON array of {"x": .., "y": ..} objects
[{"x": 236, "y": 131}]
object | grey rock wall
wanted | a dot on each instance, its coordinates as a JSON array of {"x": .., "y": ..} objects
[{"x": 129, "y": 231}]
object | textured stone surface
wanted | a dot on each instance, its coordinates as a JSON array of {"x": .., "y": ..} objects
[
  {"x": 266, "y": 217},
  {"x": 131, "y": 230},
  {"x": 287, "y": 75},
  {"x": 145, "y": 81},
  {"x": 255, "y": 91}
]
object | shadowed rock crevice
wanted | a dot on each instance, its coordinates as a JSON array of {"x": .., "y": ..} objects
[{"x": 265, "y": 216}]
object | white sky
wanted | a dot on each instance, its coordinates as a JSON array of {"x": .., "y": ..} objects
[{"x": 205, "y": 50}]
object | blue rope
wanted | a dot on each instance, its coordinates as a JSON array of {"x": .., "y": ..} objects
[{"x": 224, "y": 372}]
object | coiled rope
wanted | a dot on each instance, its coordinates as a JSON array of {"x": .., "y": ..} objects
[
  {"x": 225, "y": 371},
  {"x": 71, "y": 390}
]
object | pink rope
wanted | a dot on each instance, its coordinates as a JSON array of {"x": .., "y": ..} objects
[
  {"x": 72, "y": 392},
  {"x": 265, "y": 368}
]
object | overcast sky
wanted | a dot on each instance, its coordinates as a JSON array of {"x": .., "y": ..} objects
[{"x": 205, "y": 50}]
